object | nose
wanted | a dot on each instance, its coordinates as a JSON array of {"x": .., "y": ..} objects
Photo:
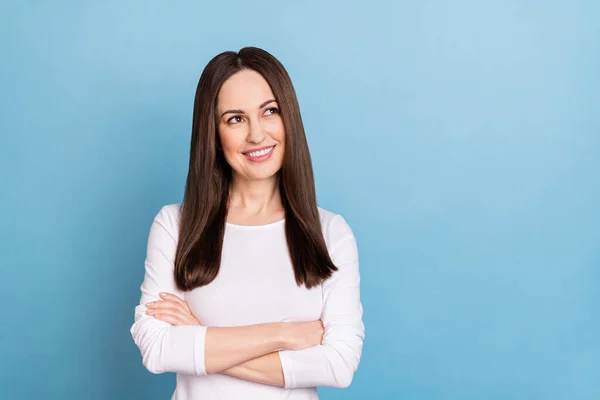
[{"x": 256, "y": 133}]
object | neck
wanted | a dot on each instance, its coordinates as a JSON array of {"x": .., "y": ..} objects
[{"x": 258, "y": 197}]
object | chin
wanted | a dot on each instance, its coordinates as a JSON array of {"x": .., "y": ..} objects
[{"x": 263, "y": 175}]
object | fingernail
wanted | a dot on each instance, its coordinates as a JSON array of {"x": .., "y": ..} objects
[{"x": 163, "y": 295}]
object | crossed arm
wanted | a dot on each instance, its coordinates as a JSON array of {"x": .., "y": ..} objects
[
  {"x": 248, "y": 352},
  {"x": 281, "y": 354}
]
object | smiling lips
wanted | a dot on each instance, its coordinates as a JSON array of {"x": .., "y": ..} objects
[{"x": 260, "y": 155}]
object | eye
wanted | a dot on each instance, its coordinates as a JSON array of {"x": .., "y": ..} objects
[
  {"x": 236, "y": 119},
  {"x": 272, "y": 110}
]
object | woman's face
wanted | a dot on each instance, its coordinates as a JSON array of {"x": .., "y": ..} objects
[{"x": 250, "y": 127}]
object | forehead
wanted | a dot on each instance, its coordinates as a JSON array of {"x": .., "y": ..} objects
[{"x": 245, "y": 89}]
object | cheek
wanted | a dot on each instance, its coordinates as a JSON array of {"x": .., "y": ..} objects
[
  {"x": 231, "y": 139},
  {"x": 279, "y": 131},
  {"x": 281, "y": 136}
]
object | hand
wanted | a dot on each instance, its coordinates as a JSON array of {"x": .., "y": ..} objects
[
  {"x": 171, "y": 309},
  {"x": 301, "y": 335}
]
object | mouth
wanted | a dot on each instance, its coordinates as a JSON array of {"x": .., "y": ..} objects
[{"x": 260, "y": 155}]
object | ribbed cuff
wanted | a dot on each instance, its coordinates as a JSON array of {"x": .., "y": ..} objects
[
  {"x": 287, "y": 366},
  {"x": 199, "y": 343}
]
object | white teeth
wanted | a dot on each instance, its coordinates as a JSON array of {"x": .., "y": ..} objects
[{"x": 261, "y": 152}]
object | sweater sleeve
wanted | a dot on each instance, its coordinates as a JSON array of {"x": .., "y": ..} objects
[
  {"x": 165, "y": 348},
  {"x": 334, "y": 362}
]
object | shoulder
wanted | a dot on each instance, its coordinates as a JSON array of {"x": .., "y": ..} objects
[
  {"x": 335, "y": 228},
  {"x": 168, "y": 218}
]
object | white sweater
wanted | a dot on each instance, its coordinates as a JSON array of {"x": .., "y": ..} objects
[{"x": 255, "y": 284}]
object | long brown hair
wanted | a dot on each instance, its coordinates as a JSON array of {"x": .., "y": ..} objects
[{"x": 204, "y": 208}]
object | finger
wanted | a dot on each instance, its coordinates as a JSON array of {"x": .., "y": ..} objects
[
  {"x": 177, "y": 319},
  {"x": 168, "y": 313},
  {"x": 158, "y": 306},
  {"x": 176, "y": 312},
  {"x": 169, "y": 319},
  {"x": 168, "y": 309},
  {"x": 172, "y": 297},
  {"x": 165, "y": 304}
]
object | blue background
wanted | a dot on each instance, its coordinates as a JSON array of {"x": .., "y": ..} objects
[{"x": 461, "y": 140}]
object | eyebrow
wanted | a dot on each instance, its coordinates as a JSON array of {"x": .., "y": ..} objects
[{"x": 241, "y": 111}]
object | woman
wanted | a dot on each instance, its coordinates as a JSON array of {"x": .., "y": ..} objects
[{"x": 251, "y": 290}]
